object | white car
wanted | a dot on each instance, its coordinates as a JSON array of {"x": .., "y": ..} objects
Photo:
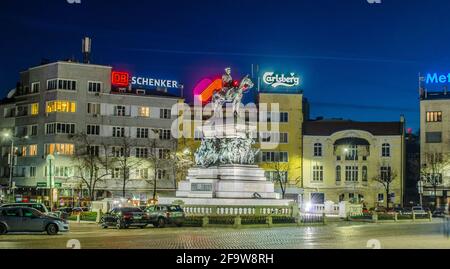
[{"x": 418, "y": 210}]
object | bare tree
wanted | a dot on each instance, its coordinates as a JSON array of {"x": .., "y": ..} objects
[
  {"x": 433, "y": 168},
  {"x": 125, "y": 162},
  {"x": 184, "y": 159},
  {"x": 386, "y": 176},
  {"x": 280, "y": 173},
  {"x": 91, "y": 166}
]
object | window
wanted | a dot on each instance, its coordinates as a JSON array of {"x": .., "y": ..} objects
[
  {"x": 61, "y": 84},
  {"x": 274, "y": 156},
  {"x": 163, "y": 154},
  {"x": 284, "y": 138},
  {"x": 351, "y": 173},
  {"x": 269, "y": 137},
  {"x": 161, "y": 174},
  {"x": 276, "y": 176},
  {"x": 381, "y": 197},
  {"x": 141, "y": 152},
  {"x": 165, "y": 113},
  {"x": 338, "y": 173},
  {"x": 317, "y": 173},
  {"x": 142, "y": 173},
  {"x": 94, "y": 86},
  {"x": 118, "y": 151},
  {"x": 434, "y": 116},
  {"x": 364, "y": 174},
  {"x": 34, "y": 130},
  {"x": 165, "y": 134},
  {"x": 32, "y": 171},
  {"x": 386, "y": 150},
  {"x": 34, "y": 109},
  {"x": 60, "y": 128},
  {"x": 33, "y": 150},
  {"x": 93, "y": 130},
  {"x": 317, "y": 150},
  {"x": 93, "y": 151},
  {"x": 385, "y": 173},
  {"x": 61, "y": 106},
  {"x": 35, "y": 87},
  {"x": 63, "y": 171},
  {"x": 318, "y": 198},
  {"x": 116, "y": 173},
  {"x": 144, "y": 111},
  {"x": 142, "y": 133},
  {"x": 351, "y": 153},
  {"x": 118, "y": 132},
  {"x": 284, "y": 117},
  {"x": 93, "y": 108},
  {"x": 22, "y": 111},
  {"x": 61, "y": 149},
  {"x": 433, "y": 137},
  {"x": 120, "y": 111}
]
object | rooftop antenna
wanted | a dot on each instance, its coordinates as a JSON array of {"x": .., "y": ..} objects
[{"x": 86, "y": 48}]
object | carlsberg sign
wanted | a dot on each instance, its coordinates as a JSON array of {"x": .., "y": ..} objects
[{"x": 281, "y": 80}]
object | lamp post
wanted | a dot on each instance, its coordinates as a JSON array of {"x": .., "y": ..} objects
[
  {"x": 51, "y": 178},
  {"x": 11, "y": 160}
]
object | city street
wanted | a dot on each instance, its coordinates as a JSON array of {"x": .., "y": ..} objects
[{"x": 338, "y": 235}]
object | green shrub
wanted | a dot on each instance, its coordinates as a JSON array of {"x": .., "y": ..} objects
[
  {"x": 252, "y": 220},
  {"x": 85, "y": 216},
  {"x": 386, "y": 217},
  {"x": 404, "y": 217},
  {"x": 222, "y": 220},
  {"x": 193, "y": 222},
  {"x": 283, "y": 220}
]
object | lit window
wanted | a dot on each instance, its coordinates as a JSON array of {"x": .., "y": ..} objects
[
  {"x": 61, "y": 106},
  {"x": 60, "y": 149},
  {"x": 435, "y": 116},
  {"x": 33, "y": 150},
  {"x": 34, "y": 109},
  {"x": 144, "y": 111}
]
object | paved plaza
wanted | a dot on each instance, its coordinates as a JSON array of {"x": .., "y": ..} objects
[{"x": 341, "y": 235}]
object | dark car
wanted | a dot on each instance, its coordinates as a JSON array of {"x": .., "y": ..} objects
[
  {"x": 160, "y": 215},
  {"x": 439, "y": 213},
  {"x": 26, "y": 219},
  {"x": 125, "y": 217}
]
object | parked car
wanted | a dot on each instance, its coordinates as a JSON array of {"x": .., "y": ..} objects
[
  {"x": 439, "y": 213},
  {"x": 418, "y": 210},
  {"x": 26, "y": 219},
  {"x": 39, "y": 207},
  {"x": 125, "y": 217},
  {"x": 160, "y": 215}
]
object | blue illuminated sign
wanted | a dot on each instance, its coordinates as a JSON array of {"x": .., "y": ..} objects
[{"x": 436, "y": 78}]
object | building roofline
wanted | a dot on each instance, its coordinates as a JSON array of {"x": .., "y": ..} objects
[{"x": 68, "y": 63}]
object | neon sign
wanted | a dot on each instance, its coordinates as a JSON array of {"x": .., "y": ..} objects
[
  {"x": 206, "y": 88},
  {"x": 435, "y": 78},
  {"x": 281, "y": 80},
  {"x": 152, "y": 82},
  {"x": 121, "y": 79}
]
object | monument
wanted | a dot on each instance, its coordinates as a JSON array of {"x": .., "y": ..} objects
[{"x": 225, "y": 172}]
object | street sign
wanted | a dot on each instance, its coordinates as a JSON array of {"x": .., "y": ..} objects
[{"x": 41, "y": 185}]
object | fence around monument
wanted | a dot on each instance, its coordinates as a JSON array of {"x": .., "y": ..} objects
[{"x": 202, "y": 210}]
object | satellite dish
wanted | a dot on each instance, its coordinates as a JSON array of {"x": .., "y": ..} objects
[{"x": 11, "y": 93}]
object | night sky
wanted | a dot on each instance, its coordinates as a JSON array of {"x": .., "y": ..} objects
[{"x": 357, "y": 60}]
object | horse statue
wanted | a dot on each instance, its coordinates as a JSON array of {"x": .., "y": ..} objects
[{"x": 231, "y": 95}]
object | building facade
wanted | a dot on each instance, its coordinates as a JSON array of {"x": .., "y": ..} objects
[
  {"x": 346, "y": 161},
  {"x": 62, "y": 108},
  {"x": 435, "y": 147}
]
